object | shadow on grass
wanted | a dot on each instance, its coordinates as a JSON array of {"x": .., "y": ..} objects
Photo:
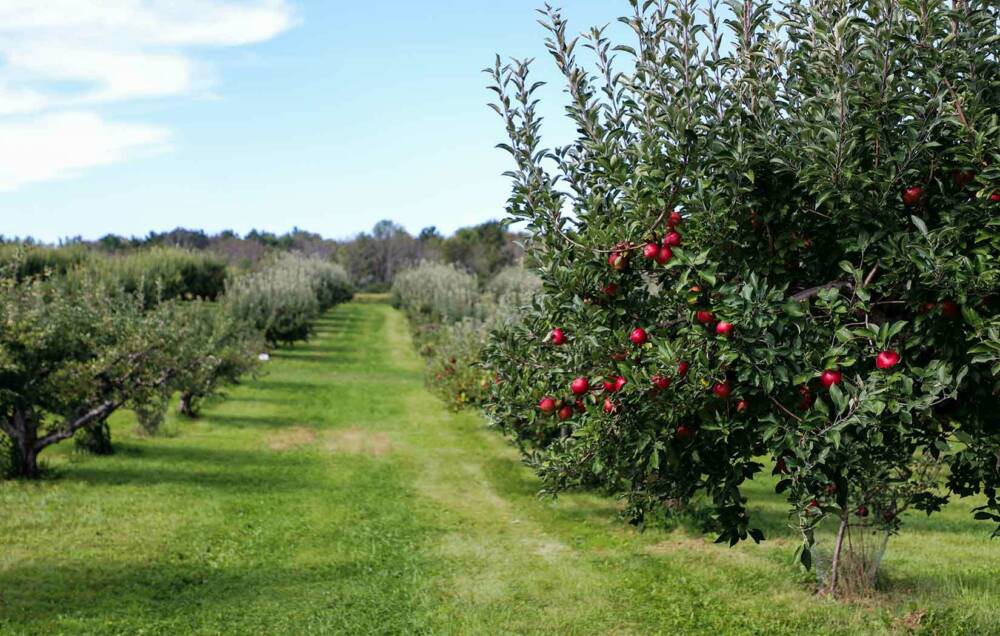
[
  {"x": 235, "y": 470},
  {"x": 122, "y": 597}
]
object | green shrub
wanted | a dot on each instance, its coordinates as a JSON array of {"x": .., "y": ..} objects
[
  {"x": 451, "y": 321},
  {"x": 433, "y": 292},
  {"x": 514, "y": 286},
  {"x": 31, "y": 261},
  {"x": 283, "y": 299},
  {"x": 160, "y": 273}
]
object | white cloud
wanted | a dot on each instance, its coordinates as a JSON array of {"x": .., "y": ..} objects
[
  {"x": 57, "y": 145},
  {"x": 63, "y": 61}
]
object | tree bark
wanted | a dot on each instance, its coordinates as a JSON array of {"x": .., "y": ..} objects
[
  {"x": 837, "y": 551},
  {"x": 187, "y": 406},
  {"x": 23, "y": 432}
]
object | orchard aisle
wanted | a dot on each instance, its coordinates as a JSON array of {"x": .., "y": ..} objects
[{"x": 336, "y": 495}]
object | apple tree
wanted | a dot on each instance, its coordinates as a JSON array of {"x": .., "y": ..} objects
[
  {"x": 71, "y": 354},
  {"x": 775, "y": 240}
]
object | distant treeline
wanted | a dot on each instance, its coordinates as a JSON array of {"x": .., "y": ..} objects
[{"x": 371, "y": 259}]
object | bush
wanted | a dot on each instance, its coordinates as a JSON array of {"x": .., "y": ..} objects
[
  {"x": 834, "y": 169},
  {"x": 451, "y": 321},
  {"x": 432, "y": 292},
  {"x": 283, "y": 299},
  {"x": 23, "y": 262},
  {"x": 514, "y": 286},
  {"x": 160, "y": 274}
]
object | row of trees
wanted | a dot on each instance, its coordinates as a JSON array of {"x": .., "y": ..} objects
[
  {"x": 452, "y": 313},
  {"x": 131, "y": 331},
  {"x": 776, "y": 240},
  {"x": 371, "y": 259}
]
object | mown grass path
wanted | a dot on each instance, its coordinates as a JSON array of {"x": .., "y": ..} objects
[{"x": 336, "y": 495}]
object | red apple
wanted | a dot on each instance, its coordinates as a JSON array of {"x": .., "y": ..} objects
[
  {"x": 620, "y": 383},
  {"x": 581, "y": 406},
  {"x": 724, "y": 329},
  {"x": 831, "y": 489},
  {"x": 723, "y": 390},
  {"x": 580, "y": 386},
  {"x": 685, "y": 433},
  {"x": 609, "y": 406},
  {"x": 888, "y": 515},
  {"x": 674, "y": 219},
  {"x": 618, "y": 357},
  {"x": 995, "y": 197},
  {"x": 558, "y": 336},
  {"x": 618, "y": 260},
  {"x": 638, "y": 336},
  {"x": 862, "y": 511},
  {"x": 682, "y": 369},
  {"x": 814, "y": 504},
  {"x": 913, "y": 195},
  {"x": 664, "y": 255},
  {"x": 547, "y": 405},
  {"x": 611, "y": 289},
  {"x": 705, "y": 317},
  {"x": 672, "y": 239},
  {"x": 741, "y": 406},
  {"x": 887, "y": 360},
  {"x": 609, "y": 385},
  {"x": 650, "y": 251},
  {"x": 660, "y": 382},
  {"x": 950, "y": 309},
  {"x": 830, "y": 377},
  {"x": 565, "y": 413}
]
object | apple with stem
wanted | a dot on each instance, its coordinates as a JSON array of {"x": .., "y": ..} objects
[
  {"x": 723, "y": 390},
  {"x": 913, "y": 195}
]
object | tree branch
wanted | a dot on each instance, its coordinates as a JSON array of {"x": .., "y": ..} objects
[
  {"x": 812, "y": 292},
  {"x": 93, "y": 415}
]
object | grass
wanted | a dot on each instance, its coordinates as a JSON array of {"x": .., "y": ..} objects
[{"x": 336, "y": 495}]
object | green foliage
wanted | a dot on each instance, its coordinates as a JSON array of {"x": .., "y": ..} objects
[
  {"x": 218, "y": 350},
  {"x": 452, "y": 319},
  {"x": 832, "y": 166},
  {"x": 433, "y": 292},
  {"x": 32, "y": 261},
  {"x": 283, "y": 299},
  {"x": 72, "y": 353},
  {"x": 483, "y": 249},
  {"x": 159, "y": 274},
  {"x": 195, "y": 534}
]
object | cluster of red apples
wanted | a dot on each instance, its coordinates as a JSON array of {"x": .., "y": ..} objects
[{"x": 661, "y": 253}]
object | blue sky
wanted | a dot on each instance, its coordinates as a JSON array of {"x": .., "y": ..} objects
[{"x": 325, "y": 115}]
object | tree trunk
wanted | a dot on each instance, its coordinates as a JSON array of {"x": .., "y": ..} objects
[
  {"x": 188, "y": 406},
  {"x": 23, "y": 432},
  {"x": 837, "y": 552}
]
